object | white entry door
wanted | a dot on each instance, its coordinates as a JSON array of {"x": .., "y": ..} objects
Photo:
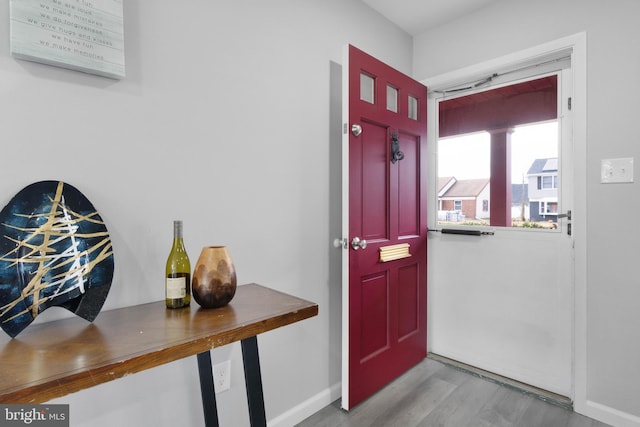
[{"x": 503, "y": 301}]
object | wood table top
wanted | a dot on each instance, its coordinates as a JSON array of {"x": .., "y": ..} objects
[{"x": 50, "y": 360}]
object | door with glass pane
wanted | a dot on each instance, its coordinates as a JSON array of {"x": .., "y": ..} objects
[
  {"x": 384, "y": 225},
  {"x": 504, "y": 299}
]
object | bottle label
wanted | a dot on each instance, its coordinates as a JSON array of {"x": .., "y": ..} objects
[{"x": 176, "y": 287}]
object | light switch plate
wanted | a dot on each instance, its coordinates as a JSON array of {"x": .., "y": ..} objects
[{"x": 616, "y": 170}]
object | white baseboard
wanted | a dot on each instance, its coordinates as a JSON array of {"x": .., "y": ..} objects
[
  {"x": 307, "y": 408},
  {"x": 312, "y": 405},
  {"x": 607, "y": 414}
]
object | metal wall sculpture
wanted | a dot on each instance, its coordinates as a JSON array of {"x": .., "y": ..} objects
[{"x": 55, "y": 250}]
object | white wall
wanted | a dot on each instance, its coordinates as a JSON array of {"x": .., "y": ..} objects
[
  {"x": 229, "y": 119},
  {"x": 611, "y": 388},
  {"x": 484, "y": 195}
]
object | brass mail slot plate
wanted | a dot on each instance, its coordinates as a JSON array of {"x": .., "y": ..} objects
[{"x": 394, "y": 252}]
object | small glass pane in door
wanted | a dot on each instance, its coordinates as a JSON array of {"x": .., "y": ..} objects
[
  {"x": 392, "y": 99},
  {"x": 367, "y": 86},
  {"x": 413, "y": 108}
]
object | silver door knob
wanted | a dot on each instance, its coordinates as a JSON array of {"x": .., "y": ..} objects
[
  {"x": 356, "y": 243},
  {"x": 341, "y": 243},
  {"x": 356, "y": 129}
]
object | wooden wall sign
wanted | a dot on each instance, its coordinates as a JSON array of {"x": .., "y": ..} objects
[{"x": 82, "y": 35}]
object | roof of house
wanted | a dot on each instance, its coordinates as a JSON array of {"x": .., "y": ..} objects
[
  {"x": 467, "y": 188},
  {"x": 443, "y": 181},
  {"x": 444, "y": 184},
  {"x": 540, "y": 166}
]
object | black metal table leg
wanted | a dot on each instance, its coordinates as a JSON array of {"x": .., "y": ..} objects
[
  {"x": 209, "y": 405},
  {"x": 253, "y": 381}
]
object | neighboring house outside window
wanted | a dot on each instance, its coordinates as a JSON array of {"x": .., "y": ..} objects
[
  {"x": 459, "y": 204},
  {"x": 543, "y": 189},
  {"x": 461, "y": 200}
]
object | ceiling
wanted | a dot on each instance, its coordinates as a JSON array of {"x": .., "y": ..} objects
[{"x": 417, "y": 16}]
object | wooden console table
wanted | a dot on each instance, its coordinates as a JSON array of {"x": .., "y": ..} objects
[{"x": 54, "y": 359}]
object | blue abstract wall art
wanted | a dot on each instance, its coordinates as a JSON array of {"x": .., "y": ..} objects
[{"x": 55, "y": 250}]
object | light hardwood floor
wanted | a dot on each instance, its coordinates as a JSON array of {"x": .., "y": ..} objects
[{"x": 437, "y": 394}]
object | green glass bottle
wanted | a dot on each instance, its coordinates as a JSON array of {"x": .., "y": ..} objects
[{"x": 178, "y": 272}]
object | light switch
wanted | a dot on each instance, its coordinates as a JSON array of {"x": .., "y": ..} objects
[{"x": 616, "y": 170}]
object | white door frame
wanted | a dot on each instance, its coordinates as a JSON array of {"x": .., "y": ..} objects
[{"x": 577, "y": 44}]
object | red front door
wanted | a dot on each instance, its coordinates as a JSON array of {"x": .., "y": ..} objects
[{"x": 387, "y": 281}]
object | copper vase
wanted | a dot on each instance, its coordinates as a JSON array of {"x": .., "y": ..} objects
[{"x": 214, "y": 278}]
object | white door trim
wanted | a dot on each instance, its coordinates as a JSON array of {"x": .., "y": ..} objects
[
  {"x": 345, "y": 226},
  {"x": 578, "y": 45}
]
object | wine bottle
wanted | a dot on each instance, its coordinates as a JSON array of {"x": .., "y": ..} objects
[{"x": 178, "y": 273}]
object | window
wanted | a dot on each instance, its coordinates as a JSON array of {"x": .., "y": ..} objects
[
  {"x": 548, "y": 208},
  {"x": 367, "y": 88},
  {"x": 392, "y": 99},
  {"x": 482, "y": 136},
  {"x": 413, "y": 108},
  {"x": 547, "y": 182},
  {"x": 457, "y": 205}
]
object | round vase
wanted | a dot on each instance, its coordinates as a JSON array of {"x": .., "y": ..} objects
[{"x": 214, "y": 278}]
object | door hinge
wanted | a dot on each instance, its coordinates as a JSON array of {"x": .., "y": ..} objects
[{"x": 569, "y": 103}]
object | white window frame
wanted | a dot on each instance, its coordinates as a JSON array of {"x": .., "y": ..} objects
[
  {"x": 544, "y": 208},
  {"x": 549, "y": 183}
]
